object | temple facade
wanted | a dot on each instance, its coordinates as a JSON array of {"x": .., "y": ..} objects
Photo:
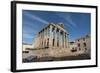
[{"x": 52, "y": 36}]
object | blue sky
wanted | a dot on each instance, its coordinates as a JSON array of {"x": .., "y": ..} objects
[{"x": 77, "y": 24}]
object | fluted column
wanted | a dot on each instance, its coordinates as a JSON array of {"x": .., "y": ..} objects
[
  {"x": 50, "y": 40},
  {"x": 47, "y": 32},
  {"x": 42, "y": 39},
  {"x": 46, "y": 36},
  {"x": 59, "y": 38},
  {"x": 55, "y": 31},
  {"x": 64, "y": 40},
  {"x": 37, "y": 45},
  {"x": 67, "y": 41},
  {"x": 39, "y": 39}
]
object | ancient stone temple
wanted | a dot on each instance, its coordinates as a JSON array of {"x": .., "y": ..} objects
[{"x": 52, "y": 36}]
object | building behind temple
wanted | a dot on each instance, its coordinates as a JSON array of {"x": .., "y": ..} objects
[
  {"x": 82, "y": 44},
  {"x": 52, "y": 36}
]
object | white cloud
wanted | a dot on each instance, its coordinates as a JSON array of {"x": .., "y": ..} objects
[
  {"x": 26, "y": 35},
  {"x": 36, "y": 18},
  {"x": 68, "y": 19}
]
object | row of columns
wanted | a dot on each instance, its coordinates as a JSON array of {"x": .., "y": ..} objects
[{"x": 52, "y": 37}]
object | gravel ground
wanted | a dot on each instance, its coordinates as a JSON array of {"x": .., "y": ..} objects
[{"x": 44, "y": 59}]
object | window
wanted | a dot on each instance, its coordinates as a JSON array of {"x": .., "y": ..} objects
[
  {"x": 85, "y": 48},
  {"x": 78, "y": 45},
  {"x": 53, "y": 29},
  {"x": 84, "y": 44},
  {"x": 79, "y": 48},
  {"x": 83, "y": 39},
  {"x": 72, "y": 48},
  {"x": 27, "y": 48},
  {"x": 58, "y": 43},
  {"x": 25, "y": 51},
  {"x": 78, "y": 40},
  {"x": 45, "y": 43},
  {"x": 53, "y": 42},
  {"x": 48, "y": 43}
]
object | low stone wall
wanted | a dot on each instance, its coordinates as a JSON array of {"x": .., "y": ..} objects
[{"x": 52, "y": 52}]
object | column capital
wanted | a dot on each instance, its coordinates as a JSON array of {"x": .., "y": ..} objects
[
  {"x": 51, "y": 26},
  {"x": 59, "y": 30}
]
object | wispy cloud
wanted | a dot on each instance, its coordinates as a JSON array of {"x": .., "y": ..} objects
[
  {"x": 27, "y": 38},
  {"x": 34, "y": 21},
  {"x": 68, "y": 18},
  {"x": 32, "y": 16},
  {"x": 29, "y": 28},
  {"x": 27, "y": 35}
]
